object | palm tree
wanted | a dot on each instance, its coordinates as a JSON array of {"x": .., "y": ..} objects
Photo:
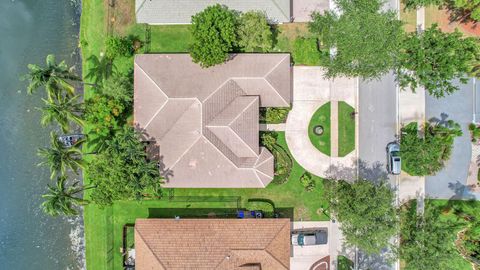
[
  {"x": 64, "y": 111},
  {"x": 60, "y": 158},
  {"x": 61, "y": 199},
  {"x": 101, "y": 69},
  {"x": 55, "y": 77}
]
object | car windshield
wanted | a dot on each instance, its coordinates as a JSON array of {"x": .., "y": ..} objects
[{"x": 395, "y": 153}]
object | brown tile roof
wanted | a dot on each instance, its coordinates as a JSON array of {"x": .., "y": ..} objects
[
  {"x": 212, "y": 244},
  {"x": 205, "y": 122}
]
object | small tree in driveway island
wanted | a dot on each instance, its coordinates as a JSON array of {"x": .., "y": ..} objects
[
  {"x": 425, "y": 151},
  {"x": 213, "y": 32},
  {"x": 433, "y": 59},
  {"x": 362, "y": 40},
  {"x": 366, "y": 212}
]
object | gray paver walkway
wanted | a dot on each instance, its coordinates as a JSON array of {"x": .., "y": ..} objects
[
  {"x": 334, "y": 128},
  {"x": 272, "y": 127}
]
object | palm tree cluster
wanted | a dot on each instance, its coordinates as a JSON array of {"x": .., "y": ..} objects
[{"x": 62, "y": 107}]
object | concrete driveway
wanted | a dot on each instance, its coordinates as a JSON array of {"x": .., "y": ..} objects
[
  {"x": 450, "y": 183},
  {"x": 310, "y": 92}
]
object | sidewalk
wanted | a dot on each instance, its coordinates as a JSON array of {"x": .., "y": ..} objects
[{"x": 412, "y": 109}]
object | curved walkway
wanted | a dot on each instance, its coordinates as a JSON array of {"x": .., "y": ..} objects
[{"x": 310, "y": 91}]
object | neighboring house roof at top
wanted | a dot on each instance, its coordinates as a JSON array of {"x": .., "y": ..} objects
[
  {"x": 181, "y": 11},
  {"x": 205, "y": 121},
  {"x": 212, "y": 244}
]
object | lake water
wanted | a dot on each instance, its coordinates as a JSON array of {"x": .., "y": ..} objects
[{"x": 29, "y": 30}]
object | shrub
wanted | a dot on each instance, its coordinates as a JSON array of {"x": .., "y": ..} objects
[
  {"x": 273, "y": 115},
  {"x": 121, "y": 46},
  {"x": 122, "y": 171},
  {"x": 119, "y": 87},
  {"x": 307, "y": 182},
  {"x": 427, "y": 154},
  {"x": 105, "y": 114},
  {"x": 474, "y": 132},
  {"x": 214, "y": 35},
  {"x": 269, "y": 140},
  {"x": 265, "y": 206},
  {"x": 306, "y": 52},
  {"x": 283, "y": 161},
  {"x": 254, "y": 33}
]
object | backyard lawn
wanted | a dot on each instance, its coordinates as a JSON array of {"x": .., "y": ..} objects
[
  {"x": 321, "y": 117},
  {"x": 103, "y": 226},
  {"x": 346, "y": 129}
]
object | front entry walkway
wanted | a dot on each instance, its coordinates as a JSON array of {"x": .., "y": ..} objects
[{"x": 310, "y": 91}]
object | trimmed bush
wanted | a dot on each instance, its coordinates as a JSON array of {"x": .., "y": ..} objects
[
  {"x": 272, "y": 115},
  {"x": 307, "y": 182}
]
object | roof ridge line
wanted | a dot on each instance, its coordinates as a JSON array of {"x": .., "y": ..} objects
[
  {"x": 140, "y": 7},
  {"x": 150, "y": 78},
  {"x": 276, "y": 65},
  {"x": 278, "y": 94},
  {"x": 150, "y": 249},
  {"x": 237, "y": 137},
  {"x": 281, "y": 11},
  {"x": 183, "y": 154},
  {"x": 261, "y": 163},
  {"x": 266, "y": 248},
  {"x": 243, "y": 110}
]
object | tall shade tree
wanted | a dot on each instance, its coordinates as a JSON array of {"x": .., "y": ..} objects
[
  {"x": 426, "y": 241},
  {"x": 122, "y": 170},
  {"x": 60, "y": 158},
  {"x": 433, "y": 59},
  {"x": 63, "y": 111},
  {"x": 426, "y": 152},
  {"x": 360, "y": 41},
  {"x": 254, "y": 32},
  {"x": 62, "y": 199},
  {"x": 56, "y": 78},
  {"x": 366, "y": 212},
  {"x": 100, "y": 69},
  {"x": 213, "y": 32}
]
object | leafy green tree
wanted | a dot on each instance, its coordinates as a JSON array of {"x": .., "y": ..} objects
[
  {"x": 427, "y": 154},
  {"x": 254, "y": 32},
  {"x": 100, "y": 69},
  {"x": 361, "y": 41},
  {"x": 119, "y": 87},
  {"x": 426, "y": 240},
  {"x": 464, "y": 10},
  {"x": 64, "y": 111},
  {"x": 56, "y": 77},
  {"x": 122, "y": 171},
  {"x": 366, "y": 213},
  {"x": 414, "y": 4},
  {"x": 105, "y": 114},
  {"x": 120, "y": 46},
  {"x": 432, "y": 59},
  {"x": 214, "y": 35},
  {"x": 62, "y": 200},
  {"x": 60, "y": 158}
]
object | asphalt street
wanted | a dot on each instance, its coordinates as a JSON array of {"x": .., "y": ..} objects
[{"x": 378, "y": 125}]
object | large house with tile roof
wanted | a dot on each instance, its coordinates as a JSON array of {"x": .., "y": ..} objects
[{"x": 204, "y": 123}]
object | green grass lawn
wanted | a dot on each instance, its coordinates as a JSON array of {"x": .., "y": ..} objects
[
  {"x": 409, "y": 18},
  {"x": 321, "y": 117},
  {"x": 346, "y": 129},
  {"x": 104, "y": 231}
]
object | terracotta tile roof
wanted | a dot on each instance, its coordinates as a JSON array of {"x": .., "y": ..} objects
[
  {"x": 212, "y": 244},
  {"x": 205, "y": 122}
]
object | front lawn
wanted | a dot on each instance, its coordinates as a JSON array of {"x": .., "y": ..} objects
[
  {"x": 321, "y": 118},
  {"x": 346, "y": 128}
]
